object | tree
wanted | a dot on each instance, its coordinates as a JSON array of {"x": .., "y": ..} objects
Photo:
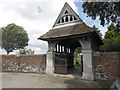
[
  {"x": 25, "y": 51},
  {"x": 77, "y": 51},
  {"x": 77, "y": 56},
  {"x": 14, "y": 37},
  {"x": 112, "y": 32},
  {"x": 111, "y": 45},
  {"x": 107, "y": 11},
  {"x": 98, "y": 31},
  {"x": 111, "y": 40}
]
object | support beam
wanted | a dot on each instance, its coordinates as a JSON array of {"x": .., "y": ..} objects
[
  {"x": 87, "y": 52},
  {"x": 50, "y": 63},
  {"x": 50, "y": 58},
  {"x": 87, "y": 65}
]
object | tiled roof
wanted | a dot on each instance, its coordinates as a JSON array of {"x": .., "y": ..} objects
[{"x": 67, "y": 31}]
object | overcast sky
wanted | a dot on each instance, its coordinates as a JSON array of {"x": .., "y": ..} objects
[{"x": 37, "y": 17}]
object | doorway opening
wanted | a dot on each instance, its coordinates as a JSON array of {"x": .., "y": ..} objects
[
  {"x": 77, "y": 62},
  {"x": 68, "y": 57}
]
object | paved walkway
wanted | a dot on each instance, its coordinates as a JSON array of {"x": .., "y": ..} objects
[{"x": 30, "y": 80}]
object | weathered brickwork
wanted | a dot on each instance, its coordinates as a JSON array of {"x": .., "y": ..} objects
[
  {"x": 107, "y": 65},
  {"x": 24, "y": 63}
]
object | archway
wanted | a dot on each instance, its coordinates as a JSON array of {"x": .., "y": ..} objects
[
  {"x": 78, "y": 62},
  {"x": 64, "y": 55}
]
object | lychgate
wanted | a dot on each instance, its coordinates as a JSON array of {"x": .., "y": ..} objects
[{"x": 68, "y": 33}]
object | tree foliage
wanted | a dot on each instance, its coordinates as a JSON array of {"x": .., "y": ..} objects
[
  {"x": 77, "y": 56},
  {"x": 98, "y": 31},
  {"x": 111, "y": 45},
  {"x": 14, "y": 37},
  {"x": 77, "y": 52},
  {"x": 111, "y": 39},
  {"x": 26, "y": 51},
  {"x": 112, "y": 32},
  {"x": 107, "y": 11}
]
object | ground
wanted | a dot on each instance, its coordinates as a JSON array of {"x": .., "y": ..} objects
[{"x": 32, "y": 80}]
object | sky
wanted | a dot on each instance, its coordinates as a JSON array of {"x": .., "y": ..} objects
[{"x": 37, "y": 17}]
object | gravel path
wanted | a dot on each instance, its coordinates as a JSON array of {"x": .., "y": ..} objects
[{"x": 31, "y": 80}]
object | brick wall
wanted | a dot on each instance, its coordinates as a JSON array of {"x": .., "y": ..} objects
[
  {"x": 24, "y": 63},
  {"x": 107, "y": 65}
]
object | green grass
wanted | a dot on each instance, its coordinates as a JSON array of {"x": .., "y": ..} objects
[{"x": 79, "y": 63}]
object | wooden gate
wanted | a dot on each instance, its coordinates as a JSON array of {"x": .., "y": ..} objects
[{"x": 60, "y": 63}]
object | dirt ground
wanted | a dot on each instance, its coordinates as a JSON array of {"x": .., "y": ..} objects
[{"x": 32, "y": 80}]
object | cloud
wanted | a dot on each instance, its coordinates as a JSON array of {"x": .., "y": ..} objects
[{"x": 35, "y": 16}]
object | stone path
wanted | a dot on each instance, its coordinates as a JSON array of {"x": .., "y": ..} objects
[{"x": 30, "y": 80}]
